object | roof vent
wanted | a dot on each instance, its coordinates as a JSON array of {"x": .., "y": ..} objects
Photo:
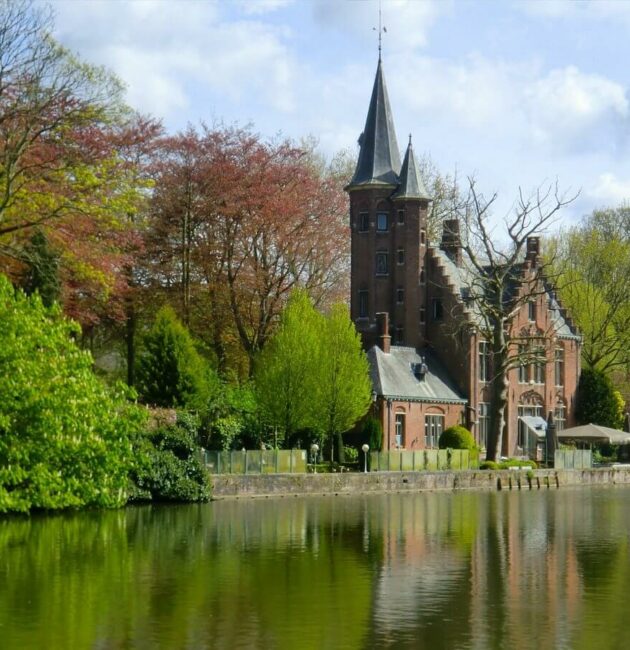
[{"x": 420, "y": 369}]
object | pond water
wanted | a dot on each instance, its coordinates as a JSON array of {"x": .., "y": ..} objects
[{"x": 544, "y": 569}]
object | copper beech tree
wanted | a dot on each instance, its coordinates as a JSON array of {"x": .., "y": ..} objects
[{"x": 236, "y": 224}]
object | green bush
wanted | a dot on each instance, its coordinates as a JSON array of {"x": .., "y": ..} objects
[
  {"x": 514, "y": 462},
  {"x": 351, "y": 454},
  {"x": 456, "y": 437},
  {"x": 65, "y": 437},
  {"x": 488, "y": 464},
  {"x": 597, "y": 400},
  {"x": 169, "y": 466}
]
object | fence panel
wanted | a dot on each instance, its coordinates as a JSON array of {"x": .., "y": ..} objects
[
  {"x": 406, "y": 461},
  {"x": 298, "y": 463},
  {"x": 442, "y": 458},
  {"x": 431, "y": 459}
]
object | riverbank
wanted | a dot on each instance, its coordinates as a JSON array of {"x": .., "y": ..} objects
[{"x": 235, "y": 486}]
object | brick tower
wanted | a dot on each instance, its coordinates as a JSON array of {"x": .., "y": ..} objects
[{"x": 388, "y": 213}]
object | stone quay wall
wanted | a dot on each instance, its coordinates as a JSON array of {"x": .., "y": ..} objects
[{"x": 226, "y": 486}]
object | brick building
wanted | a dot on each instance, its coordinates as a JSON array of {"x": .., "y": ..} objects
[{"x": 409, "y": 301}]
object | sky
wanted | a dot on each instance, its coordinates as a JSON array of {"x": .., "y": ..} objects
[{"x": 517, "y": 94}]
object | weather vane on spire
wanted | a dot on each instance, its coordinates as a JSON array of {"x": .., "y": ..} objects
[{"x": 381, "y": 29}]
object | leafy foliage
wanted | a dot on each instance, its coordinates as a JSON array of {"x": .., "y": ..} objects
[
  {"x": 372, "y": 433},
  {"x": 171, "y": 373},
  {"x": 42, "y": 274},
  {"x": 65, "y": 438},
  {"x": 313, "y": 373},
  {"x": 456, "y": 437},
  {"x": 597, "y": 400},
  {"x": 169, "y": 466}
]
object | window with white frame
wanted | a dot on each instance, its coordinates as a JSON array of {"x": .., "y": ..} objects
[
  {"x": 560, "y": 417},
  {"x": 523, "y": 368},
  {"x": 559, "y": 366},
  {"x": 484, "y": 424},
  {"x": 433, "y": 427},
  {"x": 400, "y": 429}
]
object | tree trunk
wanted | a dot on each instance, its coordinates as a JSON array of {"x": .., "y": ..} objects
[{"x": 499, "y": 389}]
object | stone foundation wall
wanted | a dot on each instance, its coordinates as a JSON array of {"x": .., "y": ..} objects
[{"x": 282, "y": 485}]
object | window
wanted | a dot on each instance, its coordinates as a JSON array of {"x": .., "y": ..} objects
[
  {"x": 400, "y": 295},
  {"x": 382, "y": 221},
  {"x": 484, "y": 361},
  {"x": 433, "y": 427},
  {"x": 531, "y": 311},
  {"x": 559, "y": 366},
  {"x": 423, "y": 237},
  {"x": 381, "y": 263},
  {"x": 423, "y": 314},
  {"x": 422, "y": 278},
  {"x": 364, "y": 222},
  {"x": 363, "y": 303},
  {"x": 438, "y": 309},
  {"x": 484, "y": 423},
  {"x": 399, "y": 334},
  {"x": 401, "y": 217},
  {"x": 560, "y": 417},
  {"x": 539, "y": 370},
  {"x": 400, "y": 256},
  {"x": 400, "y": 429},
  {"x": 523, "y": 368}
]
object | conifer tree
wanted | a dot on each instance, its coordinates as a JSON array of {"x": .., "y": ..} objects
[{"x": 171, "y": 373}]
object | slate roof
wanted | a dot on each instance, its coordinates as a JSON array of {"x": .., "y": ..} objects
[
  {"x": 411, "y": 185},
  {"x": 393, "y": 376},
  {"x": 379, "y": 156}
]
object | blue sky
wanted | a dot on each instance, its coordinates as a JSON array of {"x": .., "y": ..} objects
[{"x": 516, "y": 93}]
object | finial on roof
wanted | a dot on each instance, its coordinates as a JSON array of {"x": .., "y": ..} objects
[
  {"x": 381, "y": 29},
  {"x": 410, "y": 139}
]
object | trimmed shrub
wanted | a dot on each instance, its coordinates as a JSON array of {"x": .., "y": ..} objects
[
  {"x": 514, "y": 462},
  {"x": 488, "y": 464},
  {"x": 372, "y": 433},
  {"x": 456, "y": 437}
]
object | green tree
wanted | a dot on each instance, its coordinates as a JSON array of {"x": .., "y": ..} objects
[
  {"x": 42, "y": 273},
  {"x": 65, "y": 438},
  {"x": 597, "y": 400},
  {"x": 171, "y": 373},
  {"x": 287, "y": 370},
  {"x": 343, "y": 389},
  {"x": 593, "y": 261}
]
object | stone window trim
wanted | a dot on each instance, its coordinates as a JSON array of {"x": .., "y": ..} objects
[{"x": 382, "y": 222}]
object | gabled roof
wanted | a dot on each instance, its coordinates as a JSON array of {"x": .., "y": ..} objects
[
  {"x": 393, "y": 376},
  {"x": 411, "y": 185},
  {"x": 379, "y": 157}
]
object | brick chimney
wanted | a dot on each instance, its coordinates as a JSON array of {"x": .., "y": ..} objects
[
  {"x": 382, "y": 328},
  {"x": 533, "y": 251},
  {"x": 451, "y": 242}
]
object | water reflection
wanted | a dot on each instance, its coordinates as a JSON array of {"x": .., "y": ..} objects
[{"x": 470, "y": 570}]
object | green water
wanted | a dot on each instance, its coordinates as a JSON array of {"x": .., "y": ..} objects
[{"x": 541, "y": 569}]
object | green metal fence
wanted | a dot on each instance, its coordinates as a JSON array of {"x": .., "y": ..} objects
[
  {"x": 573, "y": 459},
  {"x": 425, "y": 459},
  {"x": 273, "y": 461}
]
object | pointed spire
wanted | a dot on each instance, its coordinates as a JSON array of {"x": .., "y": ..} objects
[
  {"x": 411, "y": 185},
  {"x": 379, "y": 158}
]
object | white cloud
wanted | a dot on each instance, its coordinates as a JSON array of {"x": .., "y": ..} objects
[
  {"x": 170, "y": 53},
  {"x": 610, "y": 190},
  {"x": 570, "y": 108},
  {"x": 254, "y": 7}
]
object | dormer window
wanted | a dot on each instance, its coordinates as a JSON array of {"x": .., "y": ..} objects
[{"x": 382, "y": 221}]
